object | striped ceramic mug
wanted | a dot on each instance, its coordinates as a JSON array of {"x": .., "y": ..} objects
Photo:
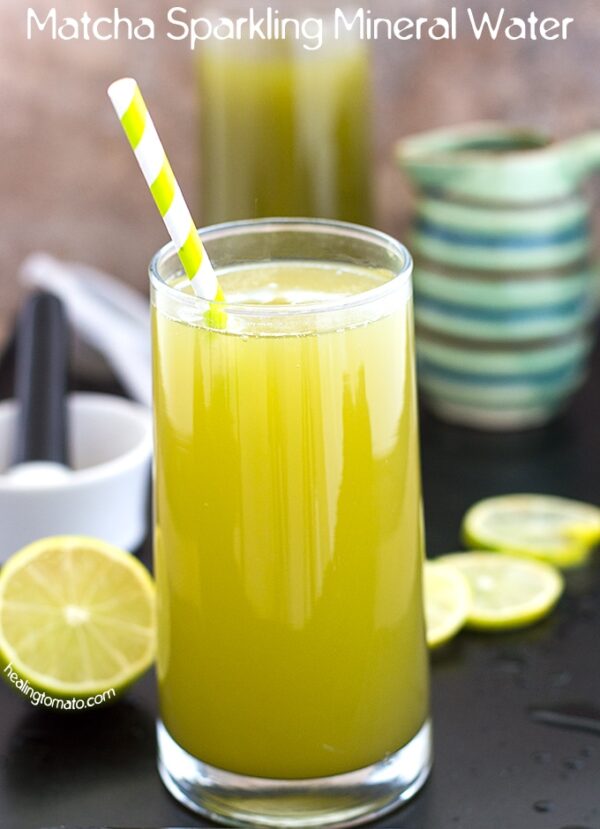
[{"x": 505, "y": 293}]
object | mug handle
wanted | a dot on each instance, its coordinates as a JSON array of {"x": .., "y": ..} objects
[{"x": 580, "y": 156}]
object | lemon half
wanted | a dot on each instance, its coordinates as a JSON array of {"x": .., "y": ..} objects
[{"x": 77, "y": 616}]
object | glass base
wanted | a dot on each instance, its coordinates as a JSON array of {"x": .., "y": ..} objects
[{"x": 341, "y": 800}]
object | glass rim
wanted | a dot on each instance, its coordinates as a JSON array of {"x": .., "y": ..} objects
[{"x": 400, "y": 279}]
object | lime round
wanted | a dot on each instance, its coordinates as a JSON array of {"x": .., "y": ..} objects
[
  {"x": 553, "y": 529},
  {"x": 506, "y": 591},
  {"x": 447, "y": 602},
  {"x": 77, "y": 616}
]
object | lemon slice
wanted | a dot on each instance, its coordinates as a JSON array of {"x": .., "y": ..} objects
[
  {"x": 447, "y": 602},
  {"x": 77, "y": 616},
  {"x": 553, "y": 529},
  {"x": 507, "y": 591}
]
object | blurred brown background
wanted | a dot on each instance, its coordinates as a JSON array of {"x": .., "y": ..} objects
[{"x": 68, "y": 184}]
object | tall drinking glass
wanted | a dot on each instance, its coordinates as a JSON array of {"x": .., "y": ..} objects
[
  {"x": 285, "y": 131},
  {"x": 292, "y": 664}
]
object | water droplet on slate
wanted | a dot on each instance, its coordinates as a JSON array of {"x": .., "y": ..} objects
[
  {"x": 560, "y": 679},
  {"x": 510, "y": 663}
]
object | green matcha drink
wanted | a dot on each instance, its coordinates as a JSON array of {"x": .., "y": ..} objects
[
  {"x": 293, "y": 574},
  {"x": 284, "y": 131},
  {"x": 292, "y": 662}
]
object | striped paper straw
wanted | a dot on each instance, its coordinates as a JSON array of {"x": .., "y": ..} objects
[{"x": 140, "y": 130}]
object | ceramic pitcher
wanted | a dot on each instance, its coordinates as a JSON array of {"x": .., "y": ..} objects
[{"x": 505, "y": 292}]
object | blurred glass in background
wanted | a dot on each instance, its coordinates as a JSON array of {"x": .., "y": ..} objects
[{"x": 285, "y": 130}]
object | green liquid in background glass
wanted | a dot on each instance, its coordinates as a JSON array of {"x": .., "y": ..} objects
[{"x": 284, "y": 131}]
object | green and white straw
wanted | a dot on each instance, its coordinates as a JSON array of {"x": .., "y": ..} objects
[{"x": 140, "y": 130}]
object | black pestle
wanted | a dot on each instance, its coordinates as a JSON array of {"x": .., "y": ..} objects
[{"x": 42, "y": 346}]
